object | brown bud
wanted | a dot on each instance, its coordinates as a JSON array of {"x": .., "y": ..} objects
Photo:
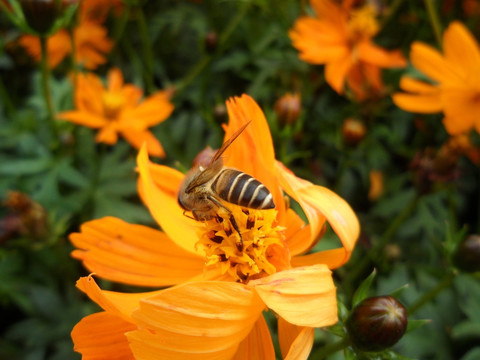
[
  {"x": 211, "y": 41},
  {"x": 467, "y": 254},
  {"x": 204, "y": 157},
  {"x": 220, "y": 113},
  {"x": 377, "y": 323},
  {"x": 288, "y": 108},
  {"x": 41, "y": 14},
  {"x": 376, "y": 185},
  {"x": 353, "y": 131}
]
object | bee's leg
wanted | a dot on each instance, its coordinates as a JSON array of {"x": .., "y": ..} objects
[
  {"x": 188, "y": 216},
  {"x": 232, "y": 220}
]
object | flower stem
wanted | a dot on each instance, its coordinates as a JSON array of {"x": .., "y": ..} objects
[
  {"x": 329, "y": 349},
  {"x": 46, "y": 88},
  {"x": 362, "y": 266},
  {"x": 197, "y": 69},
  {"x": 434, "y": 21},
  {"x": 147, "y": 49},
  {"x": 432, "y": 293}
]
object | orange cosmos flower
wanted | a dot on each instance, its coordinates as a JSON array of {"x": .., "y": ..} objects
[
  {"x": 214, "y": 308},
  {"x": 91, "y": 45},
  {"x": 456, "y": 77},
  {"x": 341, "y": 38},
  {"x": 118, "y": 109}
]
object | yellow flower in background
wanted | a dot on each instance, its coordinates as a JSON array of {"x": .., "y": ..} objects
[
  {"x": 118, "y": 109},
  {"x": 340, "y": 37},
  {"x": 90, "y": 40},
  {"x": 455, "y": 76},
  {"x": 214, "y": 308}
]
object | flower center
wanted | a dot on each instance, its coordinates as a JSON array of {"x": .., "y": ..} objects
[
  {"x": 363, "y": 23},
  {"x": 113, "y": 103},
  {"x": 263, "y": 243}
]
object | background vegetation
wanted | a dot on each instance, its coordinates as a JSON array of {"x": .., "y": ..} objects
[{"x": 208, "y": 51}]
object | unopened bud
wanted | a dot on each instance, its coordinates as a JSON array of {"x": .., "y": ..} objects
[
  {"x": 377, "y": 323},
  {"x": 353, "y": 131},
  {"x": 211, "y": 41},
  {"x": 288, "y": 108},
  {"x": 204, "y": 157},
  {"x": 467, "y": 255},
  {"x": 41, "y": 14},
  {"x": 220, "y": 113}
]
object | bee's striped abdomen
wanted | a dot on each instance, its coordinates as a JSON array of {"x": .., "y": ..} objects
[{"x": 242, "y": 189}]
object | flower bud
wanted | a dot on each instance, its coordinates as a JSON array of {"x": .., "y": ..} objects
[
  {"x": 204, "y": 157},
  {"x": 377, "y": 323},
  {"x": 41, "y": 14},
  {"x": 220, "y": 113},
  {"x": 467, "y": 254},
  {"x": 211, "y": 41},
  {"x": 353, "y": 131},
  {"x": 288, "y": 108}
]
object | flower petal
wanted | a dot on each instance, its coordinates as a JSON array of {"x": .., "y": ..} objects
[
  {"x": 133, "y": 254},
  {"x": 101, "y": 336},
  {"x": 153, "y": 110},
  {"x": 320, "y": 204},
  {"x": 336, "y": 72},
  {"x": 258, "y": 344},
  {"x": 460, "y": 48},
  {"x": 375, "y": 55},
  {"x": 115, "y": 303},
  {"x": 253, "y": 152},
  {"x": 430, "y": 62},
  {"x": 137, "y": 138},
  {"x": 160, "y": 196},
  {"x": 332, "y": 258},
  {"x": 462, "y": 109},
  {"x": 198, "y": 320},
  {"x": 303, "y": 296},
  {"x": 295, "y": 342},
  {"x": 424, "y": 103},
  {"x": 83, "y": 118}
]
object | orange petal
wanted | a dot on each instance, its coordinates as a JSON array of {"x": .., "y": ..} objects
[
  {"x": 320, "y": 204},
  {"x": 336, "y": 72},
  {"x": 296, "y": 342},
  {"x": 303, "y": 296},
  {"x": 115, "y": 303},
  {"x": 108, "y": 134},
  {"x": 115, "y": 80},
  {"x": 253, "y": 152},
  {"x": 424, "y": 103},
  {"x": 162, "y": 202},
  {"x": 198, "y": 320},
  {"x": 137, "y": 138},
  {"x": 430, "y": 62},
  {"x": 83, "y": 118},
  {"x": 460, "y": 48},
  {"x": 153, "y": 110},
  {"x": 462, "y": 109},
  {"x": 133, "y": 254},
  {"x": 375, "y": 55},
  {"x": 258, "y": 344},
  {"x": 101, "y": 336},
  {"x": 332, "y": 258},
  {"x": 415, "y": 86}
]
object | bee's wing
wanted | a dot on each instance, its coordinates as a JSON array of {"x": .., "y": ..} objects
[
  {"x": 226, "y": 144},
  {"x": 215, "y": 164}
]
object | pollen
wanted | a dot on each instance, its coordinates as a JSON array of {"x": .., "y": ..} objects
[
  {"x": 112, "y": 104},
  {"x": 245, "y": 254},
  {"x": 363, "y": 23}
]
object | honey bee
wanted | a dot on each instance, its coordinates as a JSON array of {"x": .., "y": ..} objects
[{"x": 204, "y": 188}]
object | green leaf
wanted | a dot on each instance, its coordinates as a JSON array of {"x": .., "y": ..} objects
[
  {"x": 415, "y": 324},
  {"x": 24, "y": 166},
  {"x": 473, "y": 354},
  {"x": 466, "y": 330},
  {"x": 363, "y": 289}
]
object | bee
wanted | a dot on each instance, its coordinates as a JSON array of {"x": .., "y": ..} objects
[{"x": 204, "y": 189}]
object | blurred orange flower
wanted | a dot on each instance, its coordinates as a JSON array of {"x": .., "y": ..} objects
[
  {"x": 97, "y": 10},
  {"x": 91, "y": 45},
  {"x": 456, "y": 77},
  {"x": 340, "y": 37},
  {"x": 214, "y": 308},
  {"x": 118, "y": 109}
]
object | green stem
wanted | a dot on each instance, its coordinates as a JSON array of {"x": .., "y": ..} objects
[
  {"x": 7, "y": 101},
  {"x": 147, "y": 49},
  {"x": 434, "y": 21},
  {"x": 197, "y": 69},
  {"x": 329, "y": 349},
  {"x": 362, "y": 266},
  {"x": 45, "y": 70},
  {"x": 432, "y": 293}
]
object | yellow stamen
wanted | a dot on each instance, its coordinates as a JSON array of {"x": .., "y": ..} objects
[
  {"x": 363, "y": 23},
  {"x": 219, "y": 240},
  {"x": 112, "y": 102}
]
